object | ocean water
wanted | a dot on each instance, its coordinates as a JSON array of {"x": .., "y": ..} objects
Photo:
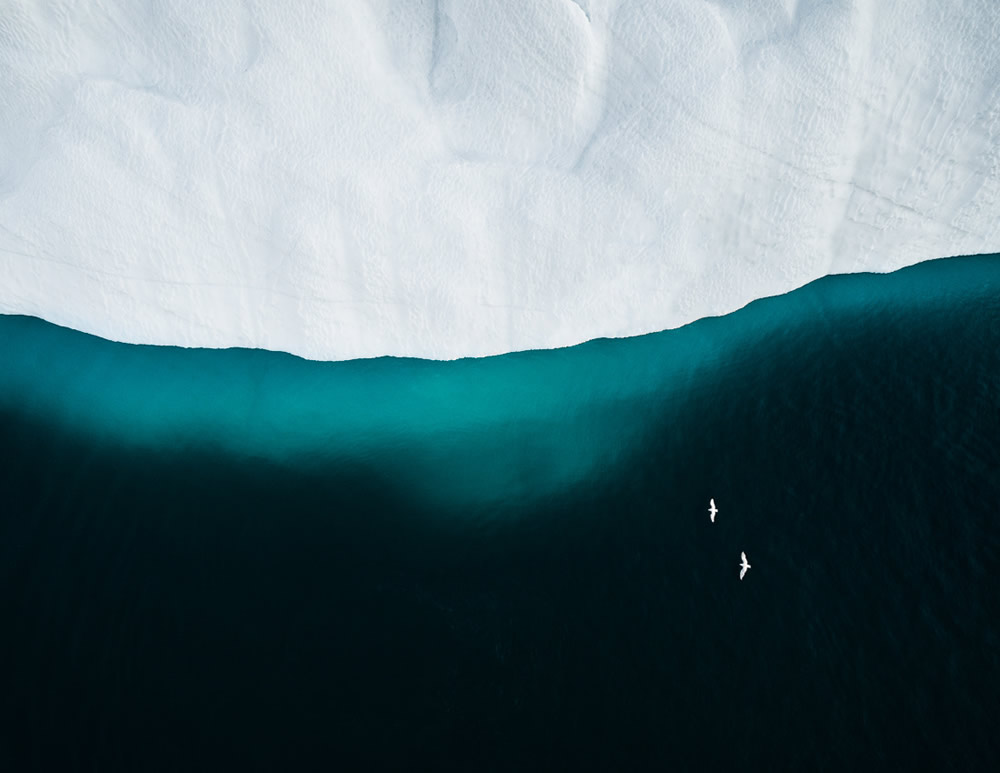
[{"x": 240, "y": 559}]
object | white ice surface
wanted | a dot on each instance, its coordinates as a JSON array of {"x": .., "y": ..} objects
[{"x": 467, "y": 177}]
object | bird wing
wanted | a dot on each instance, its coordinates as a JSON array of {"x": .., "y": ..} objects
[
  {"x": 744, "y": 557},
  {"x": 743, "y": 571}
]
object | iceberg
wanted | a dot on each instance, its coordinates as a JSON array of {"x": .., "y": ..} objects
[{"x": 448, "y": 179}]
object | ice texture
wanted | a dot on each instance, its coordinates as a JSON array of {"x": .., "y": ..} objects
[{"x": 468, "y": 177}]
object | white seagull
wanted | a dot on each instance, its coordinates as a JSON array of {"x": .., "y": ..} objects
[
  {"x": 743, "y": 565},
  {"x": 712, "y": 509}
]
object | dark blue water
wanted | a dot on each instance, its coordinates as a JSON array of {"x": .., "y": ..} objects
[{"x": 240, "y": 559}]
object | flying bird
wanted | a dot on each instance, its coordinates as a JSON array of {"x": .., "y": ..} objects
[
  {"x": 712, "y": 509},
  {"x": 743, "y": 565}
]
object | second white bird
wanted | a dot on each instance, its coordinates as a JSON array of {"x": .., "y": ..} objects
[{"x": 744, "y": 565}]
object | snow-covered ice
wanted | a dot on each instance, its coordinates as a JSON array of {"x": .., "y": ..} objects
[{"x": 467, "y": 177}]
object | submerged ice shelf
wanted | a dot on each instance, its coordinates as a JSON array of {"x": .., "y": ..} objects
[{"x": 452, "y": 178}]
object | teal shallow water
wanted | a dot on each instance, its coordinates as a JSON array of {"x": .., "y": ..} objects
[{"x": 244, "y": 557}]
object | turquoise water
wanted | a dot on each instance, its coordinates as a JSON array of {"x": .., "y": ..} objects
[{"x": 236, "y": 557}]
